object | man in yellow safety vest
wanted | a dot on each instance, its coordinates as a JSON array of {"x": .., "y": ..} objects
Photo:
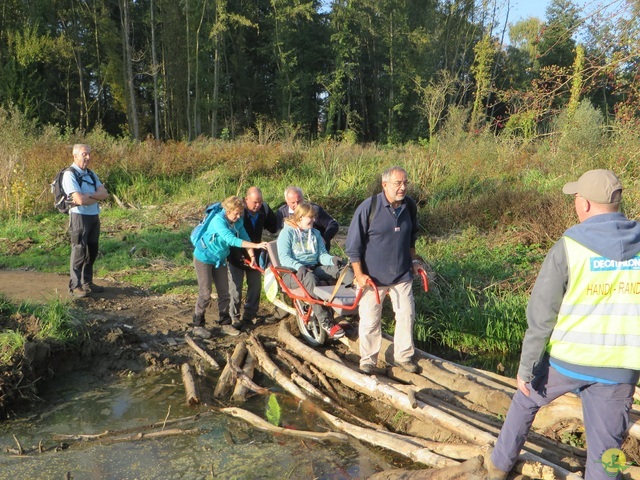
[{"x": 583, "y": 330}]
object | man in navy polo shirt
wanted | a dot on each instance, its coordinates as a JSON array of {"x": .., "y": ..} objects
[{"x": 381, "y": 246}]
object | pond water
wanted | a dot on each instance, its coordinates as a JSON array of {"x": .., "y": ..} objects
[{"x": 227, "y": 448}]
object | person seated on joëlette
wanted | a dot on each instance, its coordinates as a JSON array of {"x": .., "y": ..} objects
[{"x": 301, "y": 248}]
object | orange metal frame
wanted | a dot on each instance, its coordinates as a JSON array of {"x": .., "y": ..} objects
[{"x": 307, "y": 298}]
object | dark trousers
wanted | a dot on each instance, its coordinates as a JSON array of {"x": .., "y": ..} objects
[
  {"x": 208, "y": 275},
  {"x": 605, "y": 409},
  {"x": 84, "y": 231},
  {"x": 252, "y": 301}
]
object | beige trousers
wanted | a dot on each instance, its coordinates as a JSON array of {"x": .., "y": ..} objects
[{"x": 370, "y": 327}]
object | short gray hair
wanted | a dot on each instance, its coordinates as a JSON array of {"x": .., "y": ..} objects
[
  {"x": 81, "y": 146},
  {"x": 293, "y": 188},
  {"x": 386, "y": 175}
]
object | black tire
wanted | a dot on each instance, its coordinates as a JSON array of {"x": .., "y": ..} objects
[{"x": 311, "y": 331}]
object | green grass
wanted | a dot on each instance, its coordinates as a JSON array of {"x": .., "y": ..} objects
[
  {"x": 11, "y": 342},
  {"x": 476, "y": 306},
  {"x": 53, "y": 320},
  {"x": 57, "y": 322}
]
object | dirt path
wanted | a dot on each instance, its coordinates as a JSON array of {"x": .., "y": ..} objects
[{"x": 20, "y": 285}]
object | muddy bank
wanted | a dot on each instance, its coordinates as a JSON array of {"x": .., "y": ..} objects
[{"x": 125, "y": 329}]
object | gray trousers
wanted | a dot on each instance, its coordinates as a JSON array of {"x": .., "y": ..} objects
[
  {"x": 313, "y": 277},
  {"x": 252, "y": 301},
  {"x": 605, "y": 409},
  {"x": 207, "y": 276},
  {"x": 370, "y": 325},
  {"x": 84, "y": 231}
]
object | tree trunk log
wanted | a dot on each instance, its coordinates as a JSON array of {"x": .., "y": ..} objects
[
  {"x": 394, "y": 397},
  {"x": 261, "y": 424},
  {"x": 228, "y": 376},
  {"x": 203, "y": 353},
  {"x": 472, "y": 469},
  {"x": 189, "y": 385},
  {"x": 300, "y": 367},
  {"x": 239, "y": 394},
  {"x": 405, "y": 446},
  {"x": 495, "y": 401}
]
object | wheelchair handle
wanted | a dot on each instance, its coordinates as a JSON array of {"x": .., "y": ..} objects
[{"x": 425, "y": 279}]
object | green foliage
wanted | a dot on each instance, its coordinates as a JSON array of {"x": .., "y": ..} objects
[
  {"x": 484, "y": 53},
  {"x": 273, "y": 412},
  {"x": 50, "y": 321},
  {"x": 57, "y": 322},
  {"x": 582, "y": 136},
  {"x": 5, "y": 305},
  {"x": 477, "y": 303},
  {"x": 489, "y": 208},
  {"x": 11, "y": 342},
  {"x": 575, "y": 439},
  {"x": 522, "y": 124}
]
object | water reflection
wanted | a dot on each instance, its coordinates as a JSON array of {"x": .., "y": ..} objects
[{"x": 227, "y": 448}]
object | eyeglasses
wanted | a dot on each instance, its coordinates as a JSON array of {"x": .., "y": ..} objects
[{"x": 399, "y": 184}]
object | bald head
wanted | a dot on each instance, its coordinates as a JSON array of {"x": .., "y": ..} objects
[{"x": 253, "y": 199}]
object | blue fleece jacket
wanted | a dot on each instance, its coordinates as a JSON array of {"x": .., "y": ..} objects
[
  {"x": 220, "y": 236},
  {"x": 297, "y": 248}
]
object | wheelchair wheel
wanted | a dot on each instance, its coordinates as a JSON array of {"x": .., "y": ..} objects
[{"x": 311, "y": 331}]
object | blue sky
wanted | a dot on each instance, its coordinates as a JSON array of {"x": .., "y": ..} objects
[{"x": 521, "y": 9}]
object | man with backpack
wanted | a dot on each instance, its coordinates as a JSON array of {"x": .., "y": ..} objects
[
  {"x": 257, "y": 216},
  {"x": 381, "y": 247},
  {"x": 83, "y": 192}
]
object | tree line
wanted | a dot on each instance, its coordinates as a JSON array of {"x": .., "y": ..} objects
[{"x": 384, "y": 71}]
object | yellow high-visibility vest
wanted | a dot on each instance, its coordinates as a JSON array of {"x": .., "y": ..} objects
[{"x": 599, "y": 319}]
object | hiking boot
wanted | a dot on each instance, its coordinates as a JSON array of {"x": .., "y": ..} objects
[
  {"x": 370, "y": 369},
  {"x": 492, "y": 471},
  {"x": 409, "y": 366},
  {"x": 229, "y": 330},
  {"x": 201, "y": 332},
  {"x": 92, "y": 288},
  {"x": 237, "y": 324},
  {"x": 78, "y": 292},
  {"x": 198, "y": 320}
]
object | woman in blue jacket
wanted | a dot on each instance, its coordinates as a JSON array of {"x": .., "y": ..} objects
[
  {"x": 225, "y": 230},
  {"x": 301, "y": 248}
]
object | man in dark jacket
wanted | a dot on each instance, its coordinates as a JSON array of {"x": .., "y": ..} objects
[
  {"x": 582, "y": 334},
  {"x": 325, "y": 223},
  {"x": 257, "y": 216}
]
